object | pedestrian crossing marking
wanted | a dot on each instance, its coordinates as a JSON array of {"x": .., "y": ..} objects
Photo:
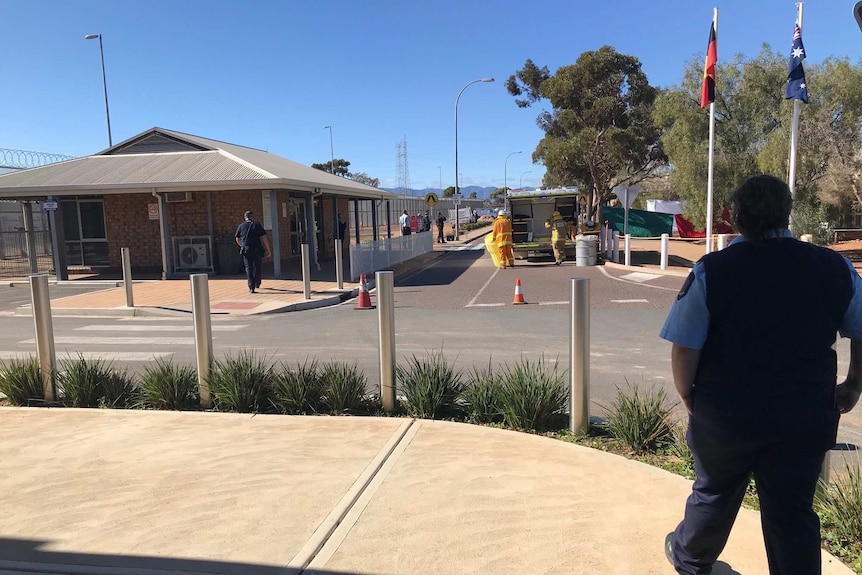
[
  {"x": 629, "y": 301},
  {"x": 639, "y": 277},
  {"x": 93, "y": 355},
  {"x": 73, "y": 340},
  {"x": 138, "y": 327}
]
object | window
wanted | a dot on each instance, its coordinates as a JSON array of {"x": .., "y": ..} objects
[{"x": 84, "y": 227}]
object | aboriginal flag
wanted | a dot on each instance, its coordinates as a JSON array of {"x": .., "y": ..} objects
[{"x": 707, "y": 93}]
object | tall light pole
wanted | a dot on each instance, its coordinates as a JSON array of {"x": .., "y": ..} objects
[
  {"x": 104, "y": 83},
  {"x": 456, "y": 144},
  {"x": 506, "y": 180},
  {"x": 439, "y": 169},
  {"x": 331, "y": 151},
  {"x": 522, "y": 178}
]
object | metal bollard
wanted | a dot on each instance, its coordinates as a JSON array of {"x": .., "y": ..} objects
[
  {"x": 41, "y": 302},
  {"x": 339, "y": 265},
  {"x": 608, "y": 242},
  {"x": 628, "y": 250},
  {"x": 306, "y": 273},
  {"x": 616, "y": 247},
  {"x": 664, "y": 250},
  {"x": 127, "y": 276},
  {"x": 722, "y": 241},
  {"x": 579, "y": 356},
  {"x": 386, "y": 317},
  {"x": 203, "y": 334}
]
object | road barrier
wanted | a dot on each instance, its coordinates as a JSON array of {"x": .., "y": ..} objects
[{"x": 372, "y": 256}]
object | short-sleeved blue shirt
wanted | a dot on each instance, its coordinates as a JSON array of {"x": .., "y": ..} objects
[{"x": 687, "y": 324}]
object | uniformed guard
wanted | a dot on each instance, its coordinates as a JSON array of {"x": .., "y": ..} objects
[
  {"x": 559, "y": 233},
  {"x": 752, "y": 331}
]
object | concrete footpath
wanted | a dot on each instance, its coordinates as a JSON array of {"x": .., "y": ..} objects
[{"x": 133, "y": 492}]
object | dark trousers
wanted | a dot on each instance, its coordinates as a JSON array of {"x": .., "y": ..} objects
[
  {"x": 252, "y": 264},
  {"x": 785, "y": 472},
  {"x": 440, "y": 239}
]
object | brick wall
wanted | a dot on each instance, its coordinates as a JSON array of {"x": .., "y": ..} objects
[{"x": 128, "y": 225}]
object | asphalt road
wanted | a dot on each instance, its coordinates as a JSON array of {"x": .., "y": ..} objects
[{"x": 459, "y": 304}]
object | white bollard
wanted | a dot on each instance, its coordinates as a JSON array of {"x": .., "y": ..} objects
[
  {"x": 616, "y": 247},
  {"x": 41, "y": 302},
  {"x": 339, "y": 265},
  {"x": 722, "y": 241},
  {"x": 203, "y": 334},
  {"x": 127, "y": 276},
  {"x": 385, "y": 284},
  {"x": 306, "y": 272},
  {"x": 579, "y": 356},
  {"x": 664, "y": 250},
  {"x": 628, "y": 249}
]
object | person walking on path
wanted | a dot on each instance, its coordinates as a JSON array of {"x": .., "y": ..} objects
[
  {"x": 404, "y": 220},
  {"x": 559, "y": 233},
  {"x": 752, "y": 360},
  {"x": 502, "y": 234},
  {"x": 253, "y": 246},
  {"x": 441, "y": 219}
]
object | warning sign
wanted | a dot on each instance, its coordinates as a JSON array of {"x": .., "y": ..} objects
[
  {"x": 431, "y": 199},
  {"x": 153, "y": 211}
]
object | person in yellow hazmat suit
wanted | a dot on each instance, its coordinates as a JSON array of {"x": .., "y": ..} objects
[
  {"x": 559, "y": 233},
  {"x": 502, "y": 236}
]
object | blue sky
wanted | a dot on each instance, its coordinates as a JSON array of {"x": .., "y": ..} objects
[{"x": 272, "y": 74}]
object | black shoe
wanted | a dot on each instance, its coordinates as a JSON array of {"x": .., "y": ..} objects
[
  {"x": 250, "y": 290},
  {"x": 668, "y": 548}
]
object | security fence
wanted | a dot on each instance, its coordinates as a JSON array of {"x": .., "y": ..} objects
[
  {"x": 369, "y": 257},
  {"x": 15, "y": 261}
]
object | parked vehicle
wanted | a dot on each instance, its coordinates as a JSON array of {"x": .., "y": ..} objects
[{"x": 530, "y": 209}]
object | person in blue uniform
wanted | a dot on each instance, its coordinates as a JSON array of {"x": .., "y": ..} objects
[
  {"x": 752, "y": 331},
  {"x": 253, "y": 246}
]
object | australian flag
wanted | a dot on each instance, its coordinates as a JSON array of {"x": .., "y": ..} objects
[{"x": 797, "y": 89}]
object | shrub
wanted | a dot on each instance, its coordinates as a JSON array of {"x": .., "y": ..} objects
[
  {"x": 21, "y": 381},
  {"x": 168, "y": 386},
  {"x": 343, "y": 388},
  {"x": 298, "y": 390},
  {"x": 94, "y": 383},
  {"x": 533, "y": 397},
  {"x": 641, "y": 420},
  {"x": 244, "y": 383},
  {"x": 481, "y": 398},
  {"x": 840, "y": 506},
  {"x": 431, "y": 387}
]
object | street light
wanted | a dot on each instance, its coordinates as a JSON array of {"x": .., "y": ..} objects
[
  {"x": 104, "y": 83},
  {"x": 506, "y": 180},
  {"x": 456, "y": 144},
  {"x": 522, "y": 177},
  {"x": 331, "y": 152},
  {"x": 439, "y": 169}
]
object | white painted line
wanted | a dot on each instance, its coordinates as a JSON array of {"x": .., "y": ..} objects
[
  {"x": 640, "y": 277},
  {"x": 553, "y": 303},
  {"x": 91, "y": 355},
  {"x": 616, "y": 279},
  {"x": 128, "y": 327},
  {"x": 72, "y": 340},
  {"x": 493, "y": 275},
  {"x": 485, "y": 305},
  {"x": 629, "y": 301}
]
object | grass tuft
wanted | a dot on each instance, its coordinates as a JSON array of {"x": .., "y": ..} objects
[
  {"x": 482, "y": 397},
  {"x": 299, "y": 389},
  {"x": 343, "y": 388},
  {"x": 641, "y": 419},
  {"x": 431, "y": 387},
  {"x": 532, "y": 396},
  {"x": 243, "y": 383},
  {"x": 21, "y": 381},
  {"x": 95, "y": 383},
  {"x": 168, "y": 386}
]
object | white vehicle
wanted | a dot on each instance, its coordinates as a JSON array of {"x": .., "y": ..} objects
[{"x": 530, "y": 209}]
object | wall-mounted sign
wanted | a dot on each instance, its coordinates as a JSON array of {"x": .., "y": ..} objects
[
  {"x": 153, "y": 211},
  {"x": 49, "y": 205}
]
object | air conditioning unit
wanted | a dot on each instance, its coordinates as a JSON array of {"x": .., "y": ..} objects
[
  {"x": 193, "y": 253},
  {"x": 172, "y": 197}
]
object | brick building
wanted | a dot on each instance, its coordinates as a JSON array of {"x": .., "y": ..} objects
[{"x": 175, "y": 201}]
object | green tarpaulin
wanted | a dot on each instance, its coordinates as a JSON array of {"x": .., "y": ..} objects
[{"x": 642, "y": 224}]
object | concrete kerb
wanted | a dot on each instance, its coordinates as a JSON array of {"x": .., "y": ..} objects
[{"x": 653, "y": 270}]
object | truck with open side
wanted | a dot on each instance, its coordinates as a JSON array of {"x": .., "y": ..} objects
[{"x": 530, "y": 209}]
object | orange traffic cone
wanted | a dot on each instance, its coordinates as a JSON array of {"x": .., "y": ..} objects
[
  {"x": 519, "y": 295},
  {"x": 363, "y": 301}
]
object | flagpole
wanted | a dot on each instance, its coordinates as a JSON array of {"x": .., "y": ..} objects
[
  {"x": 794, "y": 136},
  {"x": 710, "y": 169}
]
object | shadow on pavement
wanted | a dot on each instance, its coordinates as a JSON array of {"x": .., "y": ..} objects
[
  {"x": 27, "y": 555},
  {"x": 722, "y": 568},
  {"x": 448, "y": 267}
]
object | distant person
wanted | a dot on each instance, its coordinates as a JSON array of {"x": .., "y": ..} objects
[
  {"x": 426, "y": 222},
  {"x": 559, "y": 234},
  {"x": 253, "y": 247},
  {"x": 404, "y": 220},
  {"x": 420, "y": 223},
  {"x": 752, "y": 361},
  {"x": 502, "y": 234},
  {"x": 441, "y": 219}
]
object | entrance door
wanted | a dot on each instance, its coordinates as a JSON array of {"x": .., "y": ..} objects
[{"x": 296, "y": 215}]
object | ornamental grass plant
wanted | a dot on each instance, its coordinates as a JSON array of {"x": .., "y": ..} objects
[
  {"x": 299, "y": 389},
  {"x": 640, "y": 419},
  {"x": 343, "y": 387},
  {"x": 431, "y": 387},
  {"x": 533, "y": 396},
  {"x": 86, "y": 382},
  {"x": 243, "y": 383},
  {"x": 168, "y": 386},
  {"x": 21, "y": 381},
  {"x": 482, "y": 397},
  {"x": 839, "y": 505}
]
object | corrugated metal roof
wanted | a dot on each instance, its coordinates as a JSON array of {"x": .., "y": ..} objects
[{"x": 224, "y": 163}]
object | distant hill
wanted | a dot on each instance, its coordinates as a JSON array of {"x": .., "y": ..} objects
[{"x": 481, "y": 192}]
